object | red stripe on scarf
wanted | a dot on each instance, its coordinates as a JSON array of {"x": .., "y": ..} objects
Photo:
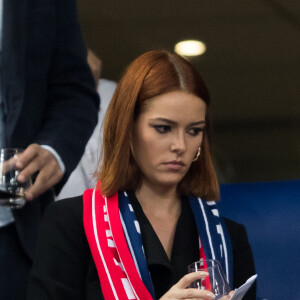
[
  {"x": 124, "y": 252},
  {"x": 111, "y": 275}
]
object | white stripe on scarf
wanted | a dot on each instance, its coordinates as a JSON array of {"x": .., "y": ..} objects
[{"x": 99, "y": 248}]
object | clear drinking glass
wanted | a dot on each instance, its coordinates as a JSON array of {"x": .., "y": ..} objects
[
  {"x": 215, "y": 282},
  {"x": 12, "y": 192}
]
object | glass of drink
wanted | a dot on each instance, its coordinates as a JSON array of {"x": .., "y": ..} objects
[
  {"x": 12, "y": 192},
  {"x": 215, "y": 282}
]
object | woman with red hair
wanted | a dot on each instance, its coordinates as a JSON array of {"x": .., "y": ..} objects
[{"x": 154, "y": 209}]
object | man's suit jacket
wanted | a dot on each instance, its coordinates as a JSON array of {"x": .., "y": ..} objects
[{"x": 47, "y": 88}]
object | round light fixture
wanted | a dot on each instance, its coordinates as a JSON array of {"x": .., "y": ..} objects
[{"x": 190, "y": 48}]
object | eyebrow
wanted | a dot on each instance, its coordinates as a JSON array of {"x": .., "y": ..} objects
[{"x": 174, "y": 123}]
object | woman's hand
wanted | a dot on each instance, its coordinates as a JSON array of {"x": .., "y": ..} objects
[
  {"x": 180, "y": 290},
  {"x": 227, "y": 297}
]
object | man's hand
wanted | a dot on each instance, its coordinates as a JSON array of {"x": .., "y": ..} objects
[{"x": 37, "y": 159}]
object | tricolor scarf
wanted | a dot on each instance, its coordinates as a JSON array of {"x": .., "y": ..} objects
[{"x": 114, "y": 237}]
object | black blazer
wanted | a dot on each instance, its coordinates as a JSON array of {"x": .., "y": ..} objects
[
  {"x": 47, "y": 89},
  {"x": 64, "y": 268}
]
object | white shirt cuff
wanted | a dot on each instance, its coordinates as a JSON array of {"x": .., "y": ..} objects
[{"x": 58, "y": 158}]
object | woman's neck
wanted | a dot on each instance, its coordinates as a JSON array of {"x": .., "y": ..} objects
[{"x": 158, "y": 199}]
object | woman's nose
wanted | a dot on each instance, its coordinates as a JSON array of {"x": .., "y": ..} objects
[{"x": 178, "y": 143}]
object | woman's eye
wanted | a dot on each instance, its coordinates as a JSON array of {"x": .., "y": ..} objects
[
  {"x": 162, "y": 128},
  {"x": 195, "y": 131}
]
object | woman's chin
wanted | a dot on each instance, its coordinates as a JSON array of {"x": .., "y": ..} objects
[{"x": 170, "y": 181}]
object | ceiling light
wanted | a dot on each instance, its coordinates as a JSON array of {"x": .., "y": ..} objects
[{"x": 190, "y": 48}]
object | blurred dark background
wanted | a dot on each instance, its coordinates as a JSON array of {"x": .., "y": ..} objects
[{"x": 251, "y": 66}]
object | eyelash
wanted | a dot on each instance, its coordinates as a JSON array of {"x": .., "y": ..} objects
[
  {"x": 196, "y": 131},
  {"x": 163, "y": 129}
]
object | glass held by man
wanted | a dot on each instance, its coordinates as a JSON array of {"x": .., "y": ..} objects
[{"x": 12, "y": 192}]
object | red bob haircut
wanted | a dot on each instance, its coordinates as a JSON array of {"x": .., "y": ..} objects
[{"x": 152, "y": 74}]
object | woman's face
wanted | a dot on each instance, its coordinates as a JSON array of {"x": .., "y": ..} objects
[{"x": 166, "y": 137}]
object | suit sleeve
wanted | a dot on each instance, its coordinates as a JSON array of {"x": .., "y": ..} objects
[
  {"x": 72, "y": 103},
  {"x": 243, "y": 263},
  {"x": 61, "y": 257}
]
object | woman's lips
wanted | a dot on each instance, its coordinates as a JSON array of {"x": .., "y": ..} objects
[{"x": 174, "y": 165}]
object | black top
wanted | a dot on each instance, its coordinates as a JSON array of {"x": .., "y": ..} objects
[
  {"x": 64, "y": 267},
  {"x": 166, "y": 273}
]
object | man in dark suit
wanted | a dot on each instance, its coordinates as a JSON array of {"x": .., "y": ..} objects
[{"x": 49, "y": 107}]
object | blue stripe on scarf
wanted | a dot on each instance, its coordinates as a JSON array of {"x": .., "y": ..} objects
[
  {"x": 208, "y": 225},
  {"x": 230, "y": 253},
  {"x": 135, "y": 239}
]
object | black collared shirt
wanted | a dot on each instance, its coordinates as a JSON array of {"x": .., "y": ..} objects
[{"x": 164, "y": 272}]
